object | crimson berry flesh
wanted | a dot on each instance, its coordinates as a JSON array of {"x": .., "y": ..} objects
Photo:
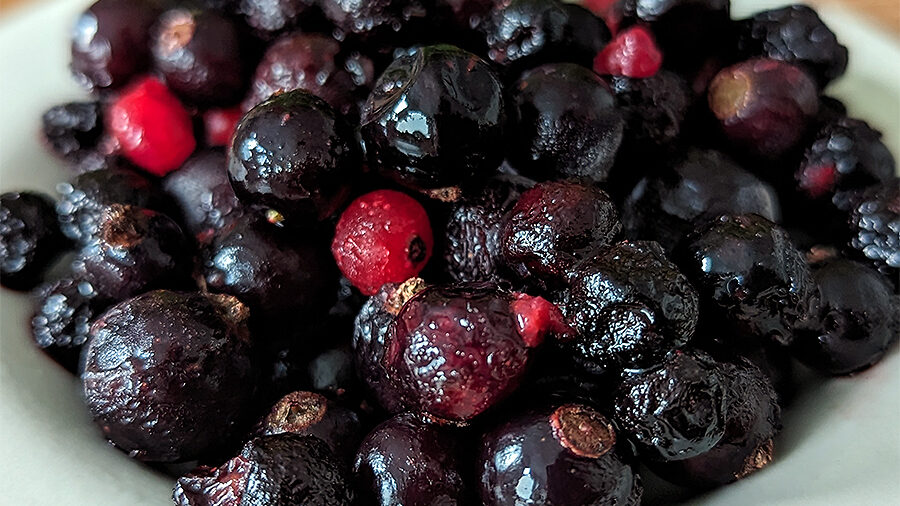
[
  {"x": 764, "y": 106},
  {"x": 854, "y": 320},
  {"x": 152, "y": 127},
  {"x": 168, "y": 375},
  {"x": 632, "y": 53},
  {"x": 435, "y": 119},
  {"x": 408, "y": 461},
  {"x": 73, "y": 130},
  {"x": 565, "y": 455},
  {"x": 382, "y": 237},
  {"x": 219, "y": 125},
  {"x": 202, "y": 56},
  {"x": 278, "y": 470},
  {"x": 293, "y": 153},
  {"x": 875, "y": 226},
  {"x": 553, "y": 224},
  {"x": 30, "y": 239},
  {"x": 63, "y": 312},
  {"x": 565, "y": 124},
  {"x": 110, "y": 42}
]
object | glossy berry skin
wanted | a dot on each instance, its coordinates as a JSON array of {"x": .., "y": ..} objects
[
  {"x": 455, "y": 351},
  {"x": 449, "y": 129},
  {"x": 854, "y": 320},
  {"x": 83, "y": 200},
  {"x": 167, "y": 375},
  {"x": 30, "y": 238},
  {"x": 110, "y": 42},
  {"x": 764, "y": 106},
  {"x": 632, "y": 272},
  {"x": 408, "y": 461},
  {"x": 203, "y": 195},
  {"x": 749, "y": 276},
  {"x": 700, "y": 185},
  {"x": 281, "y": 276},
  {"x": 875, "y": 225},
  {"x": 560, "y": 456},
  {"x": 382, "y": 237},
  {"x": 565, "y": 124},
  {"x": 273, "y": 16},
  {"x": 370, "y": 330},
  {"x": 202, "y": 55},
  {"x": 654, "y": 108},
  {"x": 752, "y": 419},
  {"x": 278, "y": 470},
  {"x": 73, "y": 130},
  {"x": 632, "y": 53},
  {"x": 293, "y": 153},
  {"x": 675, "y": 411},
  {"x": 553, "y": 225},
  {"x": 135, "y": 250},
  {"x": 63, "y": 312},
  {"x": 794, "y": 34},
  {"x": 151, "y": 126},
  {"x": 527, "y": 33},
  {"x": 315, "y": 63},
  {"x": 219, "y": 125}
]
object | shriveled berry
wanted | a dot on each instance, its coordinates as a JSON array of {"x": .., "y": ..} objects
[
  {"x": 565, "y": 455},
  {"x": 752, "y": 419},
  {"x": 219, "y": 125},
  {"x": 631, "y": 272},
  {"x": 73, "y": 130},
  {"x": 875, "y": 224},
  {"x": 854, "y": 320},
  {"x": 283, "y": 278},
  {"x": 407, "y": 461},
  {"x": 278, "y": 470},
  {"x": 293, "y": 153},
  {"x": 455, "y": 351},
  {"x": 30, "y": 239},
  {"x": 764, "y": 106},
  {"x": 203, "y": 195},
  {"x": 553, "y": 225},
  {"x": 110, "y": 42},
  {"x": 152, "y": 127},
  {"x": 135, "y": 250},
  {"x": 632, "y": 53},
  {"x": 369, "y": 343},
  {"x": 750, "y": 277},
  {"x": 84, "y": 199},
  {"x": 435, "y": 119},
  {"x": 168, "y": 375},
  {"x": 382, "y": 237},
  {"x": 315, "y": 63},
  {"x": 654, "y": 108},
  {"x": 676, "y": 411},
  {"x": 698, "y": 186},
  {"x": 272, "y": 16},
  {"x": 63, "y": 312},
  {"x": 202, "y": 55},
  {"x": 565, "y": 124},
  {"x": 794, "y": 34}
]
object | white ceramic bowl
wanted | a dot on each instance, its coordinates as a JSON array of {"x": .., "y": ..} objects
[{"x": 841, "y": 443}]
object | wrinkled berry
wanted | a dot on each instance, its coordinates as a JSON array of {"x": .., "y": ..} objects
[
  {"x": 73, "y": 130},
  {"x": 30, "y": 239},
  {"x": 369, "y": 343},
  {"x": 632, "y": 53},
  {"x": 63, "y": 312},
  {"x": 875, "y": 224}
]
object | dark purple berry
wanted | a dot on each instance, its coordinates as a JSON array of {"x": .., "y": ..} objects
[
  {"x": 374, "y": 18},
  {"x": 435, "y": 119},
  {"x": 63, "y": 312},
  {"x": 73, "y": 130},
  {"x": 875, "y": 226},
  {"x": 794, "y": 34},
  {"x": 202, "y": 56},
  {"x": 698, "y": 186},
  {"x": 294, "y": 154},
  {"x": 854, "y": 320},
  {"x": 553, "y": 225},
  {"x": 654, "y": 108},
  {"x": 675, "y": 411},
  {"x": 561, "y": 456},
  {"x": 279, "y": 470},
  {"x": 369, "y": 337},
  {"x": 167, "y": 375},
  {"x": 750, "y": 277},
  {"x": 272, "y": 16},
  {"x": 408, "y": 461},
  {"x": 30, "y": 239},
  {"x": 111, "y": 42},
  {"x": 564, "y": 124}
]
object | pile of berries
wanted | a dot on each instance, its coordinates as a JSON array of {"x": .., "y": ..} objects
[{"x": 454, "y": 251}]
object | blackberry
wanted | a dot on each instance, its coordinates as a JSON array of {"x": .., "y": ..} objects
[
  {"x": 73, "y": 130},
  {"x": 63, "y": 312},
  {"x": 273, "y": 16},
  {"x": 875, "y": 225},
  {"x": 30, "y": 239}
]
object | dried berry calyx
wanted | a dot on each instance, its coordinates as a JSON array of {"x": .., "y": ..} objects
[{"x": 583, "y": 431}]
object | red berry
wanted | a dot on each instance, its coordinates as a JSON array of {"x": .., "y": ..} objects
[
  {"x": 633, "y": 53},
  {"x": 818, "y": 180},
  {"x": 152, "y": 127},
  {"x": 535, "y": 317},
  {"x": 382, "y": 237},
  {"x": 220, "y": 124}
]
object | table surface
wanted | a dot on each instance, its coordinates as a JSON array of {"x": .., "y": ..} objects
[{"x": 884, "y": 12}]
